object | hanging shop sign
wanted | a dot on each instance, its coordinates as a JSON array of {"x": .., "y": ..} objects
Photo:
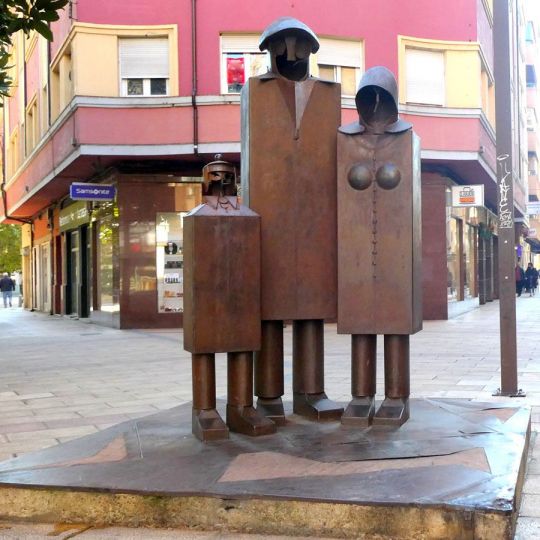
[
  {"x": 468, "y": 195},
  {"x": 80, "y": 191},
  {"x": 533, "y": 208},
  {"x": 73, "y": 216}
]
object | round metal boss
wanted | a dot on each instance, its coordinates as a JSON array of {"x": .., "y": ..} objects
[
  {"x": 388, "y": 176},
  {"x": 360, "y": 176}
]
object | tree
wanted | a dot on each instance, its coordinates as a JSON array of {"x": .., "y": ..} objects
[
  {"x": 25, "y": 15},
  {"x": 10, "y": 248}
]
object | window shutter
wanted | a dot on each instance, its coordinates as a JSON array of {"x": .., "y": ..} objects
[
  {"x": 240, "y": 43},
  {"x": 425, "y": 77},
  {"x": 340, "y": 52},
  {"x": 144, "y": 58}
]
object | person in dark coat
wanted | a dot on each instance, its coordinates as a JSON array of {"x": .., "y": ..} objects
[
  {"x": 531, "y": 278},
  {"x": 7, "y": 286}
]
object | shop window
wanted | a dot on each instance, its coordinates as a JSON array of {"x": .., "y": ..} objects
[
  {"x": 107, "y": 258},
  {"x": 144, "y": 66},
  {"x": 240, "y": 60},
  {"x": 529, "y": 32},
  {"x": 341, "y": 61},
  {"x": 453, "y": 253},
  {"x": 469, "y": 259},
  {"x": 170, "y": 249},
  {"x": 425, "y": 77}
]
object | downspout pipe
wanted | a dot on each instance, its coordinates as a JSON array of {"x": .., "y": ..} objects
[{"x": 194, "y": 77}]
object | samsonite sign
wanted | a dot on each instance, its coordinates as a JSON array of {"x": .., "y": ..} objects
[
  {"x": 468, "y": 195},
  {"x": 80, "y": 191}
]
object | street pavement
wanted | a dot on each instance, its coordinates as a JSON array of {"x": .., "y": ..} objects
[{"x": 62, "y": 378}]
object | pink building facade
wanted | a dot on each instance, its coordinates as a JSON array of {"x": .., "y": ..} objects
[{"x": 142, "y": 94}]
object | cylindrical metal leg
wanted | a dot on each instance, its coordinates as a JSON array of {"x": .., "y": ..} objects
[
  {"x": 308, "y": 357},
  {"x": 240, "y": 379},
  {"x": 269, "y": 361},
  {"x": 204, "y": 381},
  {"x": 396, "y": 366},
  {"x": 364, "y": 365}
]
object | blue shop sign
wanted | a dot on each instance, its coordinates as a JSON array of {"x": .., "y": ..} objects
[{"x": 80, "y": 191}]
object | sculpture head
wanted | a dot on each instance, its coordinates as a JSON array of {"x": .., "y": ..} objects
[
  {"x": 219, "y": 178},
  {"x": 377, "y": 99},
  {"x": 290, "y": 42}
]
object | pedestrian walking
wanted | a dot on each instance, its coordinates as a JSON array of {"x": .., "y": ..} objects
[
  {"x": 7, "y": 286},
  {"x": 520, "y": 278},
  {"x": 531, "y": 278}
]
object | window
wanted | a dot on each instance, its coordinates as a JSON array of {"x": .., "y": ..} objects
[
  {"x": 32, "y": 126},
  {"x": 341, "y": 61},
  {"x": 144, "y": 66},
  {"x": 240, "y": 60},
  {"x": 425, "y": 77},
  {"x": 13, "y": 153},
  {"x": 531, "y": 76},
  {"x": 529, "y": 32}
]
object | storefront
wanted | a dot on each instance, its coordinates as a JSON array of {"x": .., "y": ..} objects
[
  {"x": 74, "y": 221},
  {"x": 138, "y": 245}
]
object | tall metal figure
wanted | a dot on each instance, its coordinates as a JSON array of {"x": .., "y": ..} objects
[
  {"x": 379, "y": 226},
  {"x": 222, "y": 304},
  {"x": 289, "y": 129}
]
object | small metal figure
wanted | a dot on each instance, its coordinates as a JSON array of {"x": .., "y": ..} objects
[
  {"x": 222, "y": 304},
  {"x": 289, "y": 129},
  {"x": 379, "y": 253}
]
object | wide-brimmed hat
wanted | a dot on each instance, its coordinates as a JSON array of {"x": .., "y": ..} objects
[{"x": 288, "y": 24}]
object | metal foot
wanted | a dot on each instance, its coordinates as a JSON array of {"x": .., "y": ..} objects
[
  {"x": 272, "y": 409},
  {"x": 316, "y": 406},
  {"x": 359, "y": 412},
  {"x": 207, "y": 425},
  {"x": 392, "y": 412},
  {"x": 248, "y": 421}
]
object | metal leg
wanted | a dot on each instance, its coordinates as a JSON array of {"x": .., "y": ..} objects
[
  {"x": 309, "y": 398},
  {"x": 269, "y": 385},
  {"x": 241, "y": 416},
  {"x": 361, "y": 408},
  {"x": 394, "y": 410},
  {"x": 206, "y": 423}
]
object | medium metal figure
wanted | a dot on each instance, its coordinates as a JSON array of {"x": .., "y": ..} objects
[
  {"x": 379, "y": 257},
  {"x": 222, "y": 304},
  {"x": 289, "y": 129}
]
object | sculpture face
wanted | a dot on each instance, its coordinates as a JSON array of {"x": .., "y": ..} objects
[
  {"x": 290, "y": 55},
  {"x": 219, "y": 179},
  {"x": 376, "y": 108}
]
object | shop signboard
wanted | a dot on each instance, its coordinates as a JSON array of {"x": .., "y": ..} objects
[
  {"x": 533, "y": 208},
  {"x": 74, "y": 215},
  {"x": 80, "y": 191},
  {"x": 531, "y": 233},
  {"x": 468, "y": 195}
]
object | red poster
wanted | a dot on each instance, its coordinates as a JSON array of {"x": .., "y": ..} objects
[{"x": 235, "y": 70}]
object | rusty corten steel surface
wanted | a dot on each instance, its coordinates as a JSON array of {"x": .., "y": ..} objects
[
  {"x": 453, "y": 454},
  {"x": 291, "y": 138},
  {"x": 269, "y": 375},
  {"x": 378, "y": 236},
  {"x": 221, "y": 278}
]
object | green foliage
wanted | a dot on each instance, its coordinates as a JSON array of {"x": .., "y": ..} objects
[
  {"x": 10, "y": 248},
  {"x": 25, "y": 15}
]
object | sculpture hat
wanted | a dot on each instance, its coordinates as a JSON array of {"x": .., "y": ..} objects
[{"x": 288, "y": 25}]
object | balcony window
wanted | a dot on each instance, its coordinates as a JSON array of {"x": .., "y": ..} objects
[
  {"x": 240, "y": 60},
  {"x": 144, "y": 66},
  {"x": 425, "y": 77}
]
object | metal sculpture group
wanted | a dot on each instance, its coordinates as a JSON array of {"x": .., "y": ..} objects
[{"x": 306, "y": 248}]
